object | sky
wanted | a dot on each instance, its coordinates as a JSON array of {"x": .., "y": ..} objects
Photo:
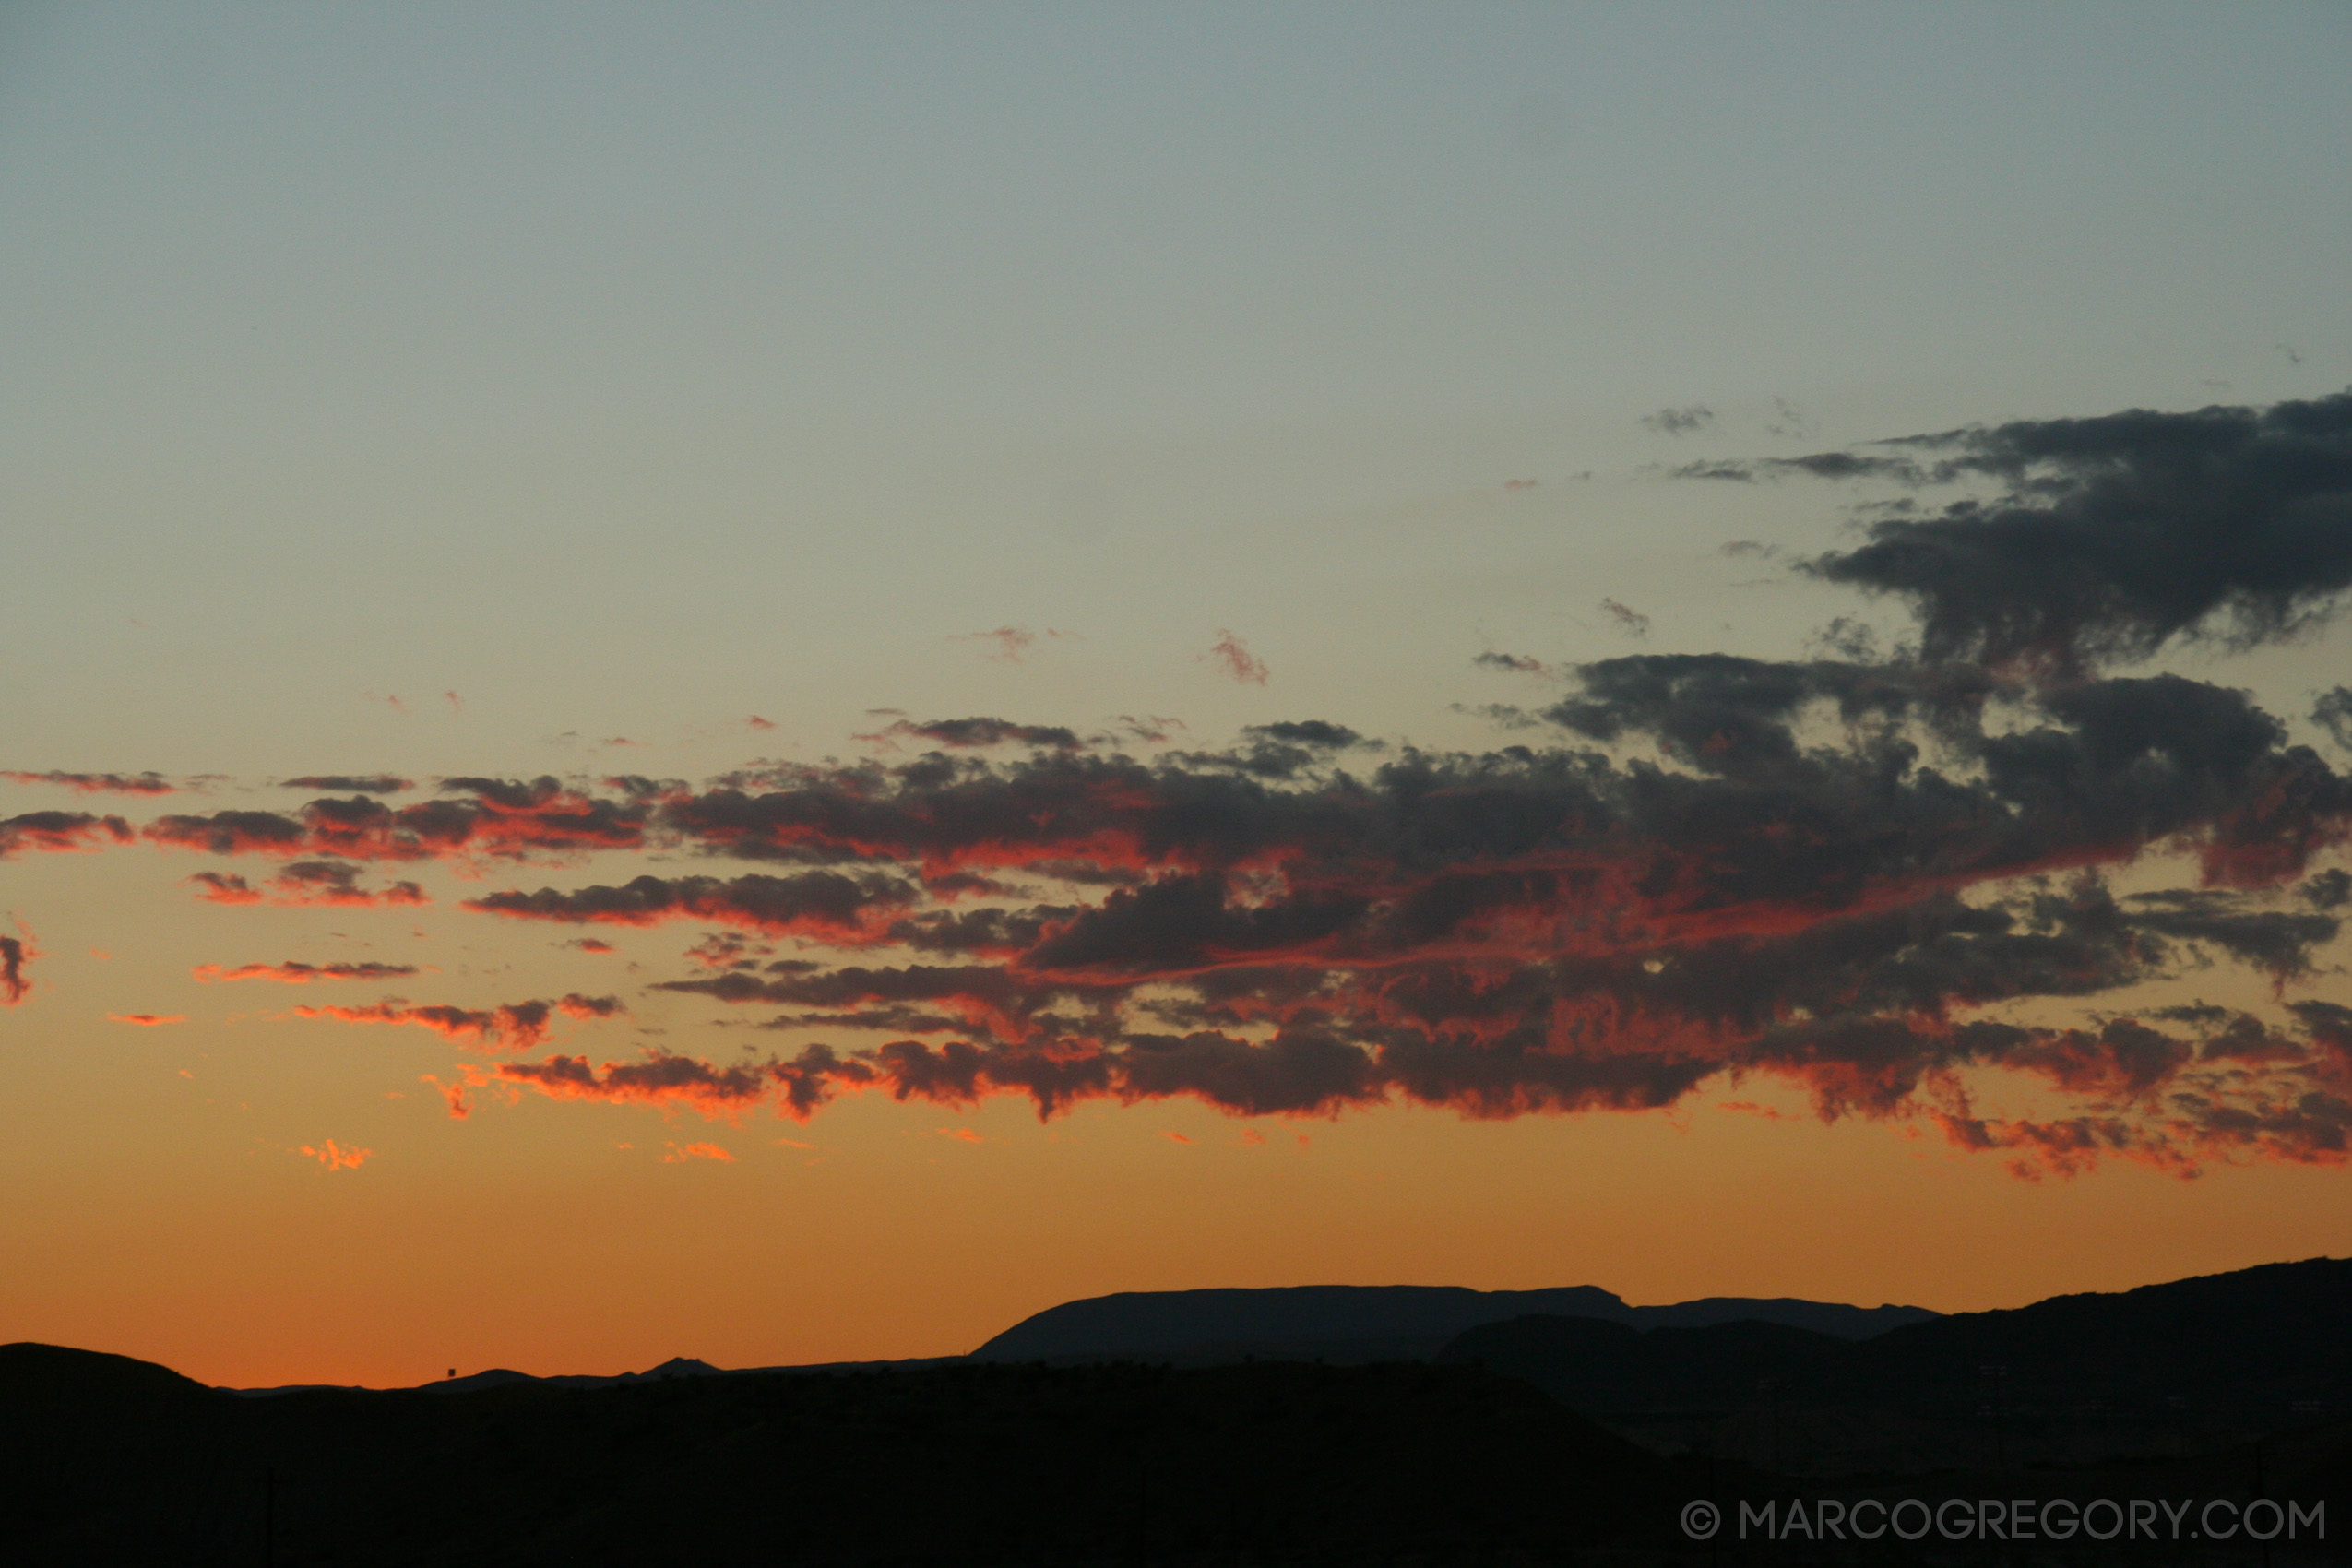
[{"x": 779, "y": 683}]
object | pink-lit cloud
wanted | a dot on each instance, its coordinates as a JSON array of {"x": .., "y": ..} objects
[{"x": 1230, "y": 655}]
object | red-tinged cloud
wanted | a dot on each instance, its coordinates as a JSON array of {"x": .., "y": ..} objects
[
  {"x": 1847, "y": 877},
  {"x": 502, "y": 819},
  {"x": 97, "y": 783},
  {"x": 224, "y": 887},
  {"x": 678, "y": 1154},
  {"x": 480, "y": 1026},
  {"x": 726, "y": 950},
  {"x": 295, "y": 973},
  {"x": 820, "y": 904},
  {"x": 231, "y": 833},
  {"x": 60, "y": 832},
  {"x": 453, "y": 1095},
  {"x": 2161, "y": 1101},
  {"x": 336, "y": 1157},
  {"x": 660, "y": 1079},
  {"x": 147, "y": 1020},
  {"x": 331, "y": 884},
  {"x": 1233, "y": 656},
  {"x": 1007, "y": 644},
  {"x": 1549, "y": 932},
  {"x": 519, "y": 1026},
  {"x": 335, "y": 882}
]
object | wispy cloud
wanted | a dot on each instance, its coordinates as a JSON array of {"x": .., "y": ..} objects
[
  {"x": 1233, "y": 656},
  {"x": 97, "y": 783},
  {"x": 296, "y": 973}
]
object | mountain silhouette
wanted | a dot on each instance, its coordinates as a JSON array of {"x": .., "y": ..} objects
[
  {"x": 2175, "y": 1368},
  {"x": 1365, "y": 1323}
]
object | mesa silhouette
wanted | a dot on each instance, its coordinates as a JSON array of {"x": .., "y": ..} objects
[{"x": 1360, "y": 1323}]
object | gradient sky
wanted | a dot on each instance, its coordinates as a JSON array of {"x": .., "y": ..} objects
[{"x": 616, "y": 393}]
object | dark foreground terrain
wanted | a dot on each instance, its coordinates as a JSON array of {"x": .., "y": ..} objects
[
  {"x": 114, "y": 1461},
  {"x": 110, "y": 1461}
]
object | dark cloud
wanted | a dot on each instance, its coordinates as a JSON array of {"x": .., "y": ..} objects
[
  {"x": 1314, "y": 733},
  {"x": 329, "y": 882},
  {"x": 572, "y": 1005},
  {"x": 516, "y": 1025},
  {"x": 2279, "y": 943},
  {"x": 350, "y": 783},
  {"x": 1178, "y": 924},
  {"x": 1280, "y": 750},
  {"x": 97, "y": 783},
  {"x": 1687, "y": 420},
  {"x": 59, "y": 831},
  {"x": 336, "y": 882},
  {"x": 506, "y": 819},
  {"x": 660, "y": 1079},
  {"x": 2330, "y": 889},
  {"x": 1734, "y": 472},
  {"x": 1797, "y": 893},
  {"x": 292, "y": 972},
  {"x": 896, "y": 1019},
  {"x": 976, "y": 732},
  {"x": 14, "y": 956},
  {"x": 2116, "y": 535},
  {"x": 1627, "y": 619},
  {"x": 1518, "y": 663},
  {"x": 231, "y": 833},
  {"x": 1817, "y": 465},
  {"x": 989, "y": 999},
  {"x": 999, "y": 932},
  {"x": 824, "y": 904},
  {"x": 225, "y": 887},
  {"x": 2333, "y": 713}
]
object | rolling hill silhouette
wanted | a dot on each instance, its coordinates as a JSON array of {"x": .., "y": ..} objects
[{"x": 2176, "y": 1367}]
